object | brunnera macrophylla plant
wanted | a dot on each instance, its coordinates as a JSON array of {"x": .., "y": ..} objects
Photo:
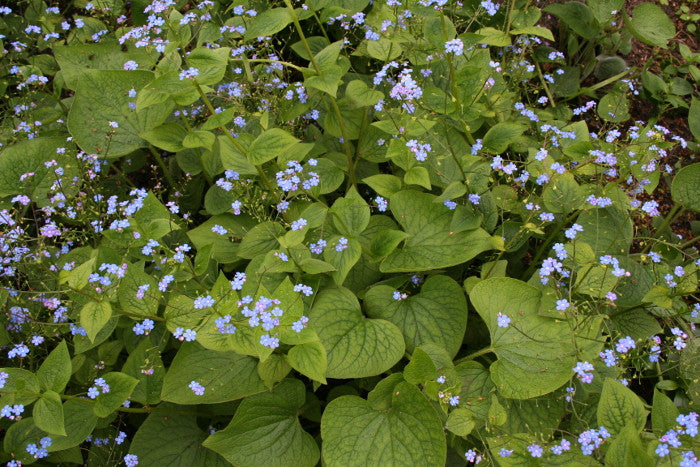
[{"x": 358, "y": 233}]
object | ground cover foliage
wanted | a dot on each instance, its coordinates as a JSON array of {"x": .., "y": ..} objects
[{"x": 346, "y": 233}]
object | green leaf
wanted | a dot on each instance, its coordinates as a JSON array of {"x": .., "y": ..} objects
[
  {"x": 310, "y": 360},
  {"x": 145, "y": 357},
  {"x": 420, "y": 369},
  {"x": 614, "y": 107},
  {"x": 226, "y": 376},
  {"x": 79, "y": 277},
  {"x": 342, "y": 260},
  {"x": 199, "y": 139},
  {"x": 268, "y": 22},
  {"x": 357, "y": 347},
  {"x": 79, "y": 421},
  {"x": 211, "y": 63},
  {"x": 223, "y": 248},
  {"x": 694, "y": 118},
  {"x": 350, "y": 214},
  {"x": 438, "y": 314},
  {"x": 360, "y": 95},
  {"x": 274, "y": 369},
  {"x": 54, "y": 373},
  {"x": 663, "y": 414},
  {"x": 384, "y": 184},
  {"x": 536, "y": 358},
  {"x": 94, "y": 316},
  {"x": 577, "y": 16},
  {"x": 76, "y": 58},
  {"x": 102, "y": 97},
  {"x": 385, "y": 242},
  {"x": 497, "y": 414},
  {"x": 266, "y": 427},
  {"x": 660, "y": 296},
  {"x": 626, "y": 449},
  {"x": 460, "y": 422},
  {"x": 685, "y": 188},
  {"x": 650, "y": 25},
  {"x": 129, "y": 286},
  {"x": 270, "y": 144},
  {"x": 417, "y": 176},
  {"x": 493, "y": 36},
  {"x": 48, "y": 413},
  {"x": 30, "y": 157},
  {"x": 499, "y": 136},
  {"x": 409, "y": 433},
  {"x": 563, "y": 194},
  {"x": 168, "y": 136},
  {"x": 620, "y": 406},
  {"x": 534, "y": 31},
  {"x": 260, "y": 239},
  {"x": 173, "y": 440},
  {"x": 431, "y": 243},
  {"x": 120, "y": 388},
  {"x": 607, "y": 231}
]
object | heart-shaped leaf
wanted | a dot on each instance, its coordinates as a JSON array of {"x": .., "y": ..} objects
[
  {"x": 357, "y": 347},
  {"x": 438, "y": 314},
  {"x": 266, "y": 427},
  {"x": 533, "y": 351},
  {"x": 430, "y": 243},
  {"x": 409, "y": 433}
]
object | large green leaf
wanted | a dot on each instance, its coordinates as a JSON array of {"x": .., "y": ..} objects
[
  {"x": 619, "y": 406},
  {"x": 129, "y": 286},
  {"x": 226, "y": 376},
  {"x": 174, "y": 440},
  {"x": 430, "y": 244},
  {"x": 577, "y": 16},
  {"x": 499, "y": 136},
  {"x": 270, "y": 144},
  {"x": 685, "y": 188},
  {"x": 438, "y": 314},
  {"x": 102, "y": 96},
  {"x": 29, "y": 157},
  {"x": 76, "y": 58},
  {"x": 48, "y": 413},
  {"x": 269, "y": 22},
  {"x": 607, "y": 231},
  {"x": 357, "y": 347},
  {"x": 120, "y": 388},
  {"x": 309, "y": 359},
  {"x": 54, "y": 373},
  {"x": 533, "y": 359},
  {"x": 94, "y": 316},
  {"x": 663, "y": 414},
  {"x": 211, "y": 63},
  {"x": 650, "y": 25},
  {"x": 266, "y": 427},
  {"x": 409, "y": 433}
]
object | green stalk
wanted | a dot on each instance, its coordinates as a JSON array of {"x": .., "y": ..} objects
[{"x": 473, "y": 355}]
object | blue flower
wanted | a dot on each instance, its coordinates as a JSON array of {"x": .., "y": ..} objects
[
  {"x": 203, "y": 302},
  {"x": 502, "y": 320}
]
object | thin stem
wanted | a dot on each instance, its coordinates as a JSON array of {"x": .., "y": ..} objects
[
  {"x": 474, "y": 355},
  {"x": 163, "y": 166}
]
